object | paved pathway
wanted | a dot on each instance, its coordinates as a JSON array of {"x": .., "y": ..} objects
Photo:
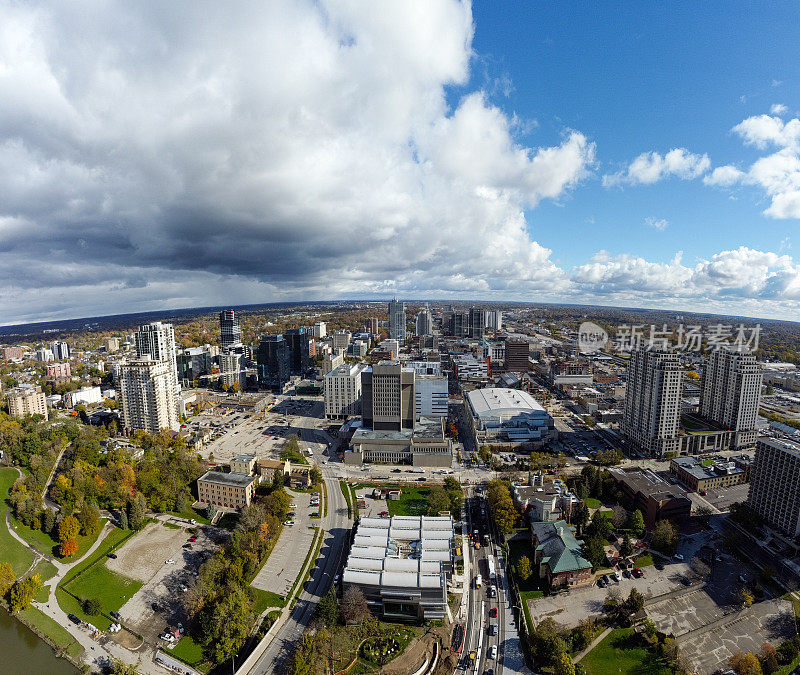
[{"x": 592, "y": 645}]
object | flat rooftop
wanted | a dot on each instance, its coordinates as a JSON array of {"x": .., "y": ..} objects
[
  {"x": 498, "y": 399},
  {"x": 229, "y": 479}
]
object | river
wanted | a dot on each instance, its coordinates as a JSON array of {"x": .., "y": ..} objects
[{"x": 24, "y": 653}]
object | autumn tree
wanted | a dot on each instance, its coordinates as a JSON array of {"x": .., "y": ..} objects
[
  {"x": 745, "y": 663},
  {"x": 23, "y": 592},
  {"x": 68, "y": 528},
  {"x": 68, "y": 547},
  {"x": 524, "y": 568},
  {"x": 7, "y": 578}
]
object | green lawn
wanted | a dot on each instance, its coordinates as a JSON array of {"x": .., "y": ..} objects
[
  {"x": 644, "y": 561},
  {"x": 413, "y": 502},
  {"x": 191, "y": 513},
  {"x": 346, "y": 492},
  {"x": 266, "y": 599},
  {"x": 58, "y": 635},
  {"x": 11, "y": 551},
  {"x": 592, "y": 503},
  {"x": 621, "y": 652},
  {"x": 188, "y": 651},
  {"x": 49, "y": 546},
  {"x": 112, "y": 589},
  {"x": 45, "y": 569},
  {"x": 170, "y": 526}
]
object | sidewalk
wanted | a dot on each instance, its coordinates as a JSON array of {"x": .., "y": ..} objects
[{"x": 592, "y": 645}]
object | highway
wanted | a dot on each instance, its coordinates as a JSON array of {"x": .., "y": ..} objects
[{"x": 337, "y": 528}]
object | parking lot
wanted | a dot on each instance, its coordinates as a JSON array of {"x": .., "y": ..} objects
[
  {"x": 570, "y": 607},
  {"x": 280, "y": 571},
  {"x": 157, "y": 604}
]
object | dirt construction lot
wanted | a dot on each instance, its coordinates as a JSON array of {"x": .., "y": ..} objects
[{"x": 157, "y": 603}]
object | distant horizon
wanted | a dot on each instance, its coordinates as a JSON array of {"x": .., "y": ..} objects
[{"x": 6, "y": 329}]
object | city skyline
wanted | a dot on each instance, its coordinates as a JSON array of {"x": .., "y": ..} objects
[{"x": 618, "y": 157}]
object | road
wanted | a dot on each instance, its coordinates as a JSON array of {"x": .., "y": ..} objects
[{"x": 337, "y": 527}]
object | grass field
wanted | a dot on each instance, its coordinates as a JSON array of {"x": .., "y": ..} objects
[
  {"x": 346, "y": 492},
  {"x": 644, "y": 561},
  {"x": 622, "y": 652},
  {"x": 112, "y": 589},
  {"x": 112, "y": 540},
  {"x": 49, "y": 546},
  {"x": 45, "y": 569},
  {"x": 593, "y": 503},
  {"x": 191, "y": 513},
  {"x": 11, "y": 551},
  {"x": 413, "y": 502}
]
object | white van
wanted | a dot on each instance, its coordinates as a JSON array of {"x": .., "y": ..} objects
[{"x": 493, "y": 652}]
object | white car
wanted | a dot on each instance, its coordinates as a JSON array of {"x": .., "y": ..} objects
[
  {"x": 169, "y": 562},
  {"x": 292, "y": 506},
  {"x": 678, "y": 556}
]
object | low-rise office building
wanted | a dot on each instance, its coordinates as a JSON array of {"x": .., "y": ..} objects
[
  {"x": 424, "y": 445},
  {"x": 699, "y": 476},
  {"x": 652, "y": 495},
  {"x": 226, "y": 490},
  {"x": 245, "y": 464},
  {"x": 402, "y": 566}
]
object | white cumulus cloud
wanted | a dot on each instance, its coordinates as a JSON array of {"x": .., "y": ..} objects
[
  {"x": 656, "y": 223},
  {"x": 651, "y": 167}
]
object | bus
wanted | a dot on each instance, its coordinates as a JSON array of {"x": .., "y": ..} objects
[
  {"x": 478, "y": 581},
  {"x": 492, "y": 572}
]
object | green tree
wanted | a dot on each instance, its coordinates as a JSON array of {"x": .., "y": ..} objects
[
  {"x": 277, "y": 479},
  {"x": 524, "y": 568},
  {"x": 636, "y": 523},
  {"x": 600, "y": 525},
  {"x": 635, "y": 601},
  {"x": 316, "y": 476},
  {"x": 745, "y": 663},
  {"x": 594, "y": 551},
  {"x": 626, "y": 548},
  {"x": 230, "y": 621},
  {"x": 92, "y": 606},
  {"x": 136, "y": 512},
  {"x": 354, "y": 606},
  {"x": 580, "y": 516},
  {"x": 438, "y": 500},
  {"x": 650, "y": 629},
  {"x": 665, "y": 537},
  {"x": 123, "y": 519},
  {"x": 328, "y": 608},
  {"x": 89, "y": 518}
]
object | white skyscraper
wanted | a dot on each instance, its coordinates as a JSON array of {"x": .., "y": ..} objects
[
  {"x": 494, "y": 319},
  {"x": 157, "y": 340},
  {"x": 652, "y": 401},
  {"x": 320, "y": 330},
  {"x": 731, "y": 392},
  {"x": 147, "y": 395},
  {"x": 397, "y": 321},
  {"x": 431, "y": 395},
  {"x": 343, "y": 390}
]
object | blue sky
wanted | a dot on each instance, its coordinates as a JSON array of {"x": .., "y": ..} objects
[
  {"x": 636, "y": 77},
  {"x": 196, "y": 154}
]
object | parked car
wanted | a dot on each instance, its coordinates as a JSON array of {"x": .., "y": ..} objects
[
  {"x": 637, "y": 572},
  {"x": 74, "y": 619},
  {"x": 493, "y": 652},
  {"x": 493, "y": 612},
  {"x": 113, "y": 556},
  {"x": 617, "y": 576},
  {"x": 169, "y": 561},
  {"x": 492, "y": 629},
  {"x": 115, "y": 615},
  {"x": 678, "y": 556},
  {"x": 288, "y": 522},
  {"x": 192, "y": 539}
]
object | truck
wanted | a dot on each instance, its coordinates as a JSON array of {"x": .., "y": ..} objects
[
  {"x": 492, "y": 571},
  {"x": 485, "y": 539},
  {"x": 478, "y": 581}
]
